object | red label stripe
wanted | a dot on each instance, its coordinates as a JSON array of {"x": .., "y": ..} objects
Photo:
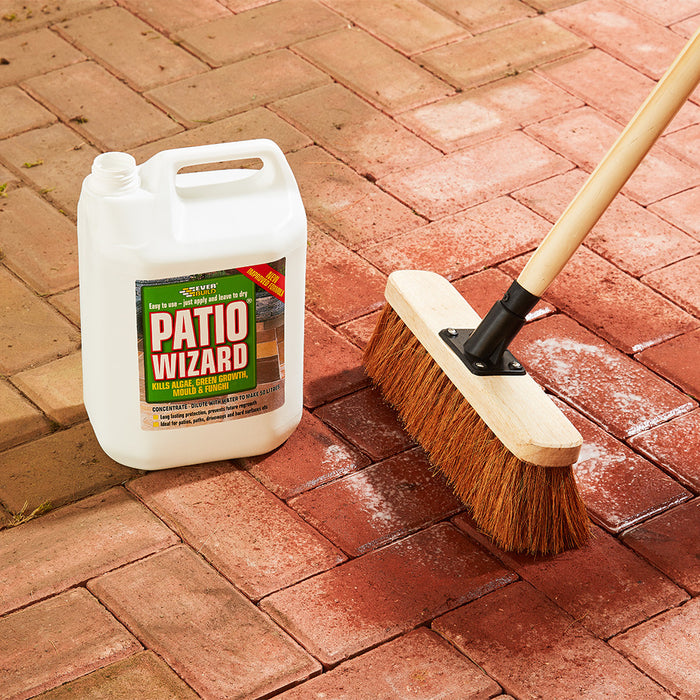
[{"x": 266, "y": 277}]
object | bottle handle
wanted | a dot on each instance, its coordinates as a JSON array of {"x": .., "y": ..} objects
[{"x": 161, "y": 170}]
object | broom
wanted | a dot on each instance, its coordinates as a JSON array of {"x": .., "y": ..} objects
[{"x": 501, "y": 442}]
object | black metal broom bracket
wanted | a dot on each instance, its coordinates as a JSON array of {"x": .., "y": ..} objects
[{"x": 484, "y": 350}]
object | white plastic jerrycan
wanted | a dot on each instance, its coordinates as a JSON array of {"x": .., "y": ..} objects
[{"x": 192, "y": 304}]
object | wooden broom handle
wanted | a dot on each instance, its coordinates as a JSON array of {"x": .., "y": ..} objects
[{"x": 614, "y": 170}]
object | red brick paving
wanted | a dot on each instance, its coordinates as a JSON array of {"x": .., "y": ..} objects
[
  {"x": 507, "y": 50},
  {"x": 130, "y": 48},
  {"x": 475, "y": 175},
  {"x": 625, "y": 34},
  {"x": 367, "y": 509},
  {"x": 192, "y": 617},
  {"x": 483, "y": 112},
  {"x": 100, "y": 107},
  {"x": 18, "y": 112},
  {"x": 361, "y": 135},
  {"x": 600, "y": 381},
  {"x": 374, "y": 597},
  {"x": 571, "y": 662},
  {"x": 57, "y": 640},
  {"x": 418, "y": 665},
  {"x": 584, "y": 136},
  {"x": 48, "y": 262},
  {"x": 677, "y": 282},
  {"x": 371, "y": 424},
  {"x": 145, "y": 671},
  {"x": 296, "y": 20},
  {"x": 61, "y": 157},
  {"x": 677, "y": 360},
  {"x": 463, "y": 243},
  {"x": 678, "y": 209},
  {"x": 21, "y": 420},
  {"x": 312, "y": 456},
  {"x": 627, "y": 235},
  {"x": 433, "y": 134},
  {"x": 674, "y": 447},
  {"x": 369, "y": 67},
  {"x": 408, "y": 27},
  {"x": 666, "y": 649},
  {"x": 248, "y": 534},
  {"x": 612, "y": 304},
  {"x": 621, "y": 489},
  {"x": 330, "y": 270},
  {"x": 604, "y": 585},
  {"x": 74, "y": 543},
  {"x": 670, "y": 542},
  {"x": 610, "y": 85}
]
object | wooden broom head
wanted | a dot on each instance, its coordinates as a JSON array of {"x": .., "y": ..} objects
[
  {"x": 521, "y": 506},
  {"x": 515, "y": 408}
]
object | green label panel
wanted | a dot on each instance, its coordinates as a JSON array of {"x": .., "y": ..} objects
[{"x": 198, "y": 338}]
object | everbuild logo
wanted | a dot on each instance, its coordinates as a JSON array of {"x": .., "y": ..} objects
[{"x": 201, "y": 290}]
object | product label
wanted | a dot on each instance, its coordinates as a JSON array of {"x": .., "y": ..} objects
[{"x": 211, "y": 346}]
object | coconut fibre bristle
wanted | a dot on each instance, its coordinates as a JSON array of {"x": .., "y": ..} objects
[{"x": 522, "y": 507}]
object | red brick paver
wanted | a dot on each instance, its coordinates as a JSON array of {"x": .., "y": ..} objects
[
  {"x": 34, "y": 53},
  {"x": 354, "y": 131},
  {"x": 418, "y": 665},
  {"x": 583, "y": 369},
  {"x": 614, "y": 305},
  {"x": 677, "y": 282},
  {"x": 210, "y": 96},
  {"x": 247, "y": 34},
  {"x": 80, "y": 468},
  {"x": 649, "y": 647},
  {"x": 670, "y": 541},
  {"x": 375, "y": 597},
  {"x": 130, "y": 48},
  {"x": 332, "y": 270},
  {"x": 367, "y": 421},
  {"x": 54, "y": 160},
  {"x": 245, "y": 532},
  {"x": 462, "y": 243},
  {"x": 57, "y": 388},
  {"x": 409, "y": 27},
  {"x": 627, "y": 35},
  {"x": 192, "y": 617},
  {"x": 474, "y": 175},
  {"x": 76, "y": 542},
  {"x": 58, "y": 640},
  {"x": 20, "y": 419},
  {"x": 348, "y": 204},
  {"x": 100, "y": 106},
  {"x": 621, "y": 489},
  {"x": 584, "y": 136},
  {"x": 369, "y": 508},
  {"x": 571, "y": 662},
  {"x": 32, "y": 332},
  {"x": 500, "y": 52},
  {"x": 604, "y": 586},
  {"x": 48, "y": 261},
  {"x": 673, "y": 446},
  {"x": 313, "y": 455},
  {"x": 18, "y": 112},
  {"x": 483, "y": 112},
  {"x": 627, "y": 235},
  {"x": 145, "y": 671},
  {"x": 367, "y": 66}
]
